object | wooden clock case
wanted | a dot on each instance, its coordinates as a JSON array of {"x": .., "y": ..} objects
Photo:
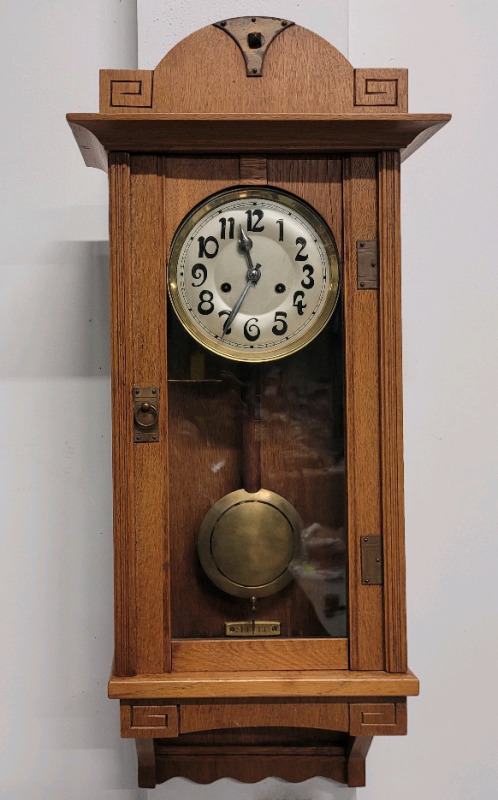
[{"x": 223, "y": 109}]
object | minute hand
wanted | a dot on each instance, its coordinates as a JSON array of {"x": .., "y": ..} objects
[{"x": 253, "y": 276}]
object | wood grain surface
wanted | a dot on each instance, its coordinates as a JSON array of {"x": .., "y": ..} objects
[
  {"x": 253, "y": 170},
  {"x": 391, "y": 413},
  {"x": 149, "y": 359},
  {"x": 125, "y": 90},
  {"x": 250, "y": 764},
  {"x": 323, "y": 82},
  {"x": 356, "y": 753},
  {"x": 146, "y": 760},
  {"x": 378, "y": 719},
  {"x": 320, "y": 83},
  {"x": 258, "y": 133},
  {"x": 297, "y": 683},
  {"x": 362, "y": 413},
  {"x": 145, "y": 721},
  {"x": 123, "y": 463},
  {"x": 326, "y": 716},
  {"x": 259, "y": 654},
  {"x": 384, "y": 89}
]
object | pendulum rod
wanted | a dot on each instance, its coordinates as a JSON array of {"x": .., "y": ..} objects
[
  {"x": 251, "y": 432},
  {"x": 251, "y": 445}
]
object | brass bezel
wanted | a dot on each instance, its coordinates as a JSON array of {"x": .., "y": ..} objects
[
  {"x": 265, "y": 499},
  {"x": 324, "y": 234}
]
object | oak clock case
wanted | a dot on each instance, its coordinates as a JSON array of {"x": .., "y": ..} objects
[{"x": 260, "y": 621}]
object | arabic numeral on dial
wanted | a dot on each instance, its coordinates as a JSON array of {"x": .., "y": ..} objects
[
  {"x": 308, "y": 282},
  {"x": 251, "y": 330},
  {"x": 223, "y": 314},
  {"x": 205, "y": 306},
  {"x": 298, "y": 302},
  {"x": 301, "y": 242},
  {"x": 199, "y": 273},
  {"x": 280, "y": 224},
  {"x": 254, "y": 217},
  {"x": 280, "y": 326},
  {"x": 208, "y": 247},
  {"x": 230, "y": 223}
]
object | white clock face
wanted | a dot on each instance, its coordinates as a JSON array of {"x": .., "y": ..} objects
[{"x": 253, "y": 274}]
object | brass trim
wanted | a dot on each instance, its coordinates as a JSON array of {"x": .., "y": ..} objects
[
  {"x": 286, "y": 199},
  {"x": 247, "y": 543},
  {"x": 253, "y": 35}
]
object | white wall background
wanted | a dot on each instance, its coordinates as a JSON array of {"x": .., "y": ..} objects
[{"x": 59, "y": 734}]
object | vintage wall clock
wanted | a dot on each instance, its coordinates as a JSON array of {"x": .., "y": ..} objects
[{"x": 256, "y": 401}]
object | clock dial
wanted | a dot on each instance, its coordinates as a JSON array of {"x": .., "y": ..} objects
[{"x": 253, "y": 274}]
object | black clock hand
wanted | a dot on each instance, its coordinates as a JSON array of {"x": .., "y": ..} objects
[
  {"x": 253, "y": 276},
  {"x": 245, "y": 245}
]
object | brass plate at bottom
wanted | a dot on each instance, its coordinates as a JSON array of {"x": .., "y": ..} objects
[
  {"x": 247, "y": 543},
  {"x": 249, "y": 628}
]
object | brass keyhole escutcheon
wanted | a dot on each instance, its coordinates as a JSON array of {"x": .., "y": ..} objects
[
  {"x": 146, "y": 415},
  {"x": 255, "y": 40}
]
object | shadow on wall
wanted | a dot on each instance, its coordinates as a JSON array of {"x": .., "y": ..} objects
[
  {"x": 57, "y": 313},
  {"x": 269, "y": 789}
]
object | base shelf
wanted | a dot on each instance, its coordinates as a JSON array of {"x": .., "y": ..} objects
[
  {"x": 250, "y": 726},
  {"x": 316, "y": 683}
]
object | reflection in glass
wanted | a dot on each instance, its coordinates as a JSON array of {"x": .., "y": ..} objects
[{"x": 299, "y": 452}]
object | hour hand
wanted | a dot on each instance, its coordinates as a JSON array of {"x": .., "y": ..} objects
[
  {"x": 244, "y": 241},
  {"x": 245, "y": 245}
]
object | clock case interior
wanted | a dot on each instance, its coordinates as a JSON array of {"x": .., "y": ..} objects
[
  {"x": 307, "y": 702},
  {"x": 295, "y": 409}
]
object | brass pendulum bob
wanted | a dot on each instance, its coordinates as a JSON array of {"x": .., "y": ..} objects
[{"x": 249, "y": 538}]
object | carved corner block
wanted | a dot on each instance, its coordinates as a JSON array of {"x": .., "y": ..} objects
[
  {"x": 377, "y": 719},
  {"x": 381, "y": 88},
  {"x": 145, "y": 722},
  {"x": 125, "y": 90}
]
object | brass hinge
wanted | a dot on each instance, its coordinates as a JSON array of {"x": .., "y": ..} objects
[
  {"x": 368, "y": 264},
  {"x": 371, "y": 560}
]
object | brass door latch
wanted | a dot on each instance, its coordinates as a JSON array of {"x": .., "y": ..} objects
[{"x": 146, "y": 413}]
